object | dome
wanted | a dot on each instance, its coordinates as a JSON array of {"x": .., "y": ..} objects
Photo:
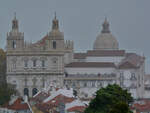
[{"x": 105, "y": 40}]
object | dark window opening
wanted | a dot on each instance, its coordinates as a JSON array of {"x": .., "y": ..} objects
[
  {"x": 14, "y": 44},
  {"x": 85, "y": 84},
  {"x": 34, "y": 63},
  {"x": 43, "y": 63},
  {"x": 26, "y": 91},
  {"x": 34, "y": 91},
  {"x": 54, "y": 44},
  {"x": 25, "y": 63}
]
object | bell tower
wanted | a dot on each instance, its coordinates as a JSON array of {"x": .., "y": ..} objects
[
  {"x": 56, "y": 38},
  {"x": 15, "y": 39}
]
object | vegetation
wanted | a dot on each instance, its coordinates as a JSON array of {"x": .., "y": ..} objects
[
  {"x": 6, "y": 91},
  {"x": 2, "y": 66},
  {"x": 112, "y": 99}
]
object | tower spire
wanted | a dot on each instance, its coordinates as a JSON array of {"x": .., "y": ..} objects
[
  {"x": 15, "y": 22},
  {"x": 55, "y": 24},
  {"x": 15, "y": 15},
  {"x": 105, "y": 26},
  {"x": 55, "y": 15}
]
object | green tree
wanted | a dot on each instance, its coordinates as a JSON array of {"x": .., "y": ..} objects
[
  {"x": 120, "y": 107},
  {"x": 2, "y": 67},
  {"x": 6, "y": 91},
  {"x": 108, "y": 99}
]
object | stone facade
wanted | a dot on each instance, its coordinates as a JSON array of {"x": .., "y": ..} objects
[{"x": 33, "y": 66}]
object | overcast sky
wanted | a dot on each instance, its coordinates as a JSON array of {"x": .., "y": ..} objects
[{"x": 81, "y": 20}]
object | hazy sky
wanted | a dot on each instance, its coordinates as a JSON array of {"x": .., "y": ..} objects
[{"x": 81, "y": 20}]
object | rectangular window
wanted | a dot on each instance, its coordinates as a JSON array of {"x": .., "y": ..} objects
[
  {"x": 85, "y": 84},
  {"x": 93, "y": 84},
  {"x": 14, "y": 44},
  {"x": 34, "y": 63},
  {"x": 25, "y": 63},
  {"x": 14, "y": 65},
  {"x": 54, "y": 44},
  {"x": 43, "y": 63}
]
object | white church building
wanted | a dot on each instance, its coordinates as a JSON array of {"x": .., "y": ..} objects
[{"x": 51, "y": 60}]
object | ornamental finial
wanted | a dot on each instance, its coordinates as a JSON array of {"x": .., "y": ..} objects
[{"x": 105, "y": 26}]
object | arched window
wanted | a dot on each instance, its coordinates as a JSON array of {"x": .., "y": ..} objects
[
  {"x": 54, "y": 44},
  {"x": 133, "y": 77},
  {"x": 34, "y": 91},
  {"x": 26, "y": 91},
  {"x": 14, "y": 44}
]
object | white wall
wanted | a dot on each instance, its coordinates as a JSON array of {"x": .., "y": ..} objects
[{"x": 114, "y": 59}]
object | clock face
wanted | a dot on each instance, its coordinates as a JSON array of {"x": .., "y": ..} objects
[{"x": 127, "y": 74}]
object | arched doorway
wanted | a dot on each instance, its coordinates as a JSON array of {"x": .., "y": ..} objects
[
  {"x": 26, "y": 91},
  {"x": 34, "y": 91}
]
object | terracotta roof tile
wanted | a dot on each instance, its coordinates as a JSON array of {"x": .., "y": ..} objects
[
  {"x": 80, "y": 55},
  {"x": 91, "y": 64},
  {"x": 40, "y": 97},
  {"x": 131, "y": 60},
  {"x": 44, "y": 107},
  {"x": 142, "y": 107},
  {"x": 76, "y": 108},
  {"x": 127, "y": 65},
  {"x": 106, "y": 53},
  {"x": 58, "y": 99},
  {"x": 18, "y": 105},
  {"x": 41, "y": 42},
  {"x": 99, "y": 53}
]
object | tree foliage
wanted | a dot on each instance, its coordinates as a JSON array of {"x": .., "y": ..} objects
[
  {"x": 120, "y": 107},
  {"x": 110, "y": 99},
  {"x": 2, "y": 66},
  {"x": 6, "y": 91}
]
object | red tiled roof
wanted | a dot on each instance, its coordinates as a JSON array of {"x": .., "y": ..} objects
[
  {"x": 60, "y": 98},
  {"x": 126, "y": 65},
  {"x": 99, "y": 53},
  {"x": 142, "y": 107},
  {"x": 76, "y": 108},
  {"x": 80, "y": 55},
  {"x": 40, "y": 97},
  {"x": 106, "y": 53},
  {"x": 18, "y": 105},
  {"x": 42, "y": 41},
  {"x": 90, "y": 64},
  {"x": 46, "y": 107},
  {"x": 131, "y": 60}
]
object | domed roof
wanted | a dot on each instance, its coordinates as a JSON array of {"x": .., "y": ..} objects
[{"x": 105, "y": 40}]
